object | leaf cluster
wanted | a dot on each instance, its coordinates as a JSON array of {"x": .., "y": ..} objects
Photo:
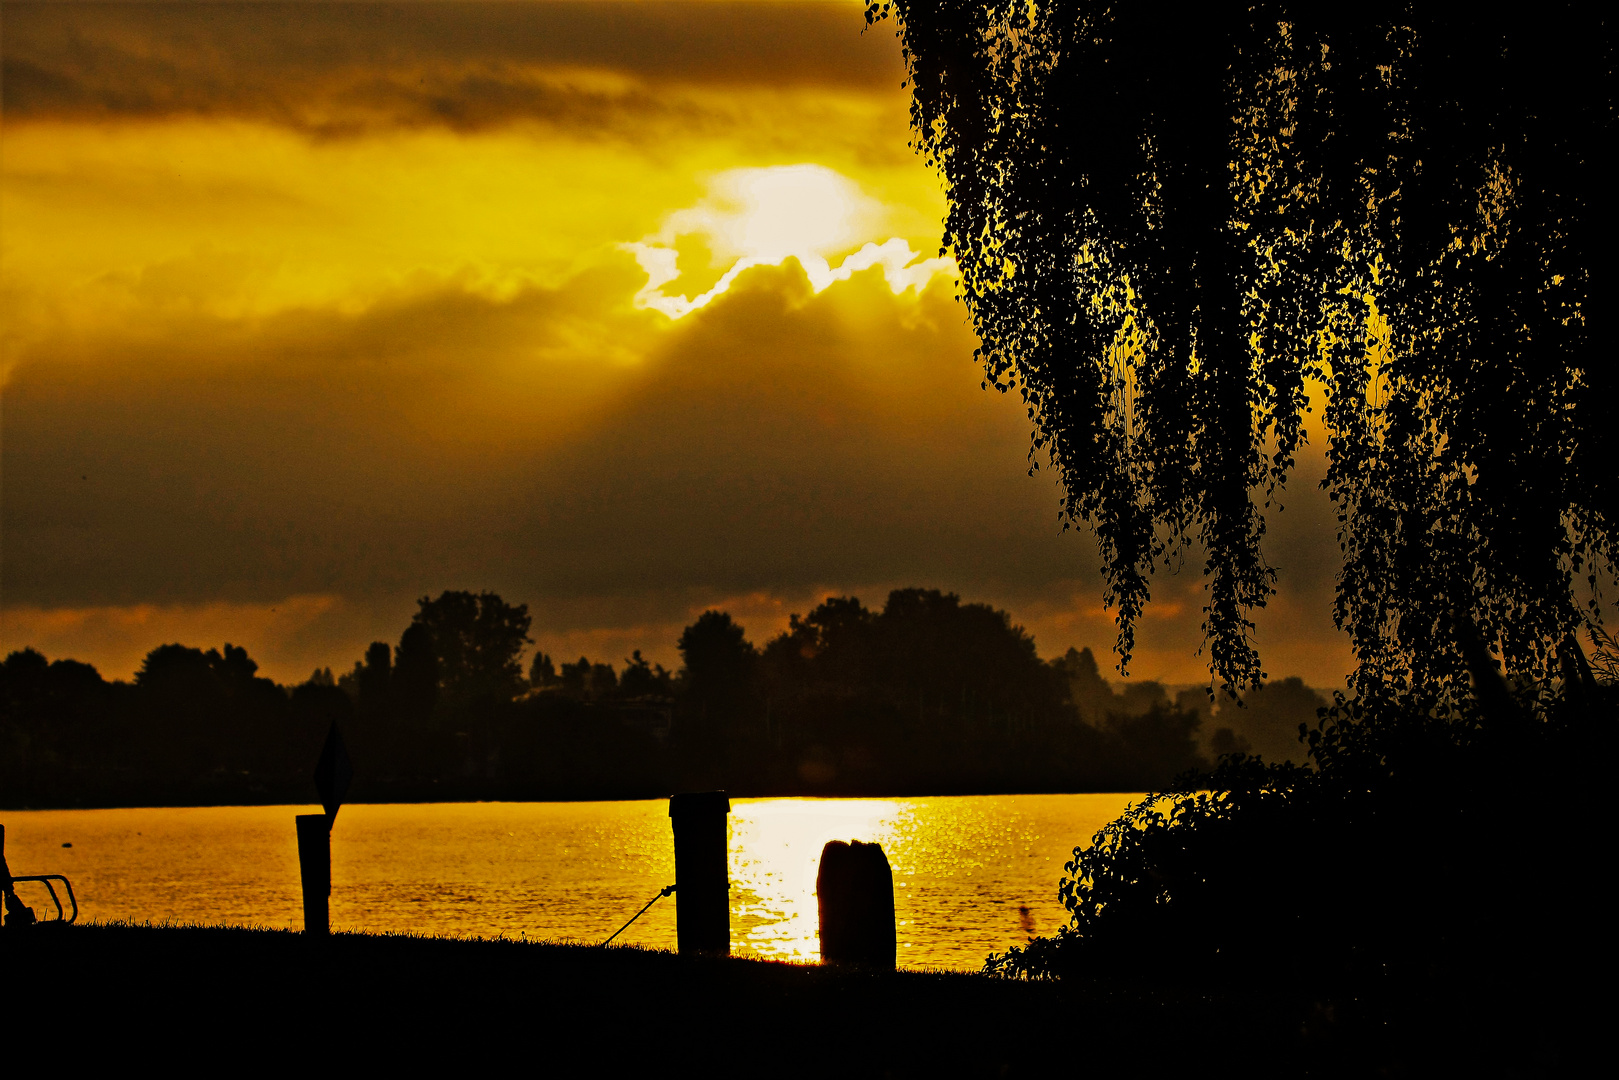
[{"x": 1179, "y": 236}]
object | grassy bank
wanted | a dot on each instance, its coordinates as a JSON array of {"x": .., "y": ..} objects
[
  {"x": 234, "y": 992},
  {"x": 242, "y": 999}
]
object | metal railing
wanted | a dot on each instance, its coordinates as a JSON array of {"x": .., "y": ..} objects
[{"x": 45, "y": 880}]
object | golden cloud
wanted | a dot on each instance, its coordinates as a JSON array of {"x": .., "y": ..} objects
[{"x": 365, "y": 301}]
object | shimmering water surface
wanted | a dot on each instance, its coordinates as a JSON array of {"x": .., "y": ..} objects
[{"x": 972, "y": 874}]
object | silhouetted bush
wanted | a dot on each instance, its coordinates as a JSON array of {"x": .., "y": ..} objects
[{"x": 1431, "y": 869}]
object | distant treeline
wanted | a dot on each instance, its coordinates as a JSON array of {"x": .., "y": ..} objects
[{"x": 928, "y": 695}]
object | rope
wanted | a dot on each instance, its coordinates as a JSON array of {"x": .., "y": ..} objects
[{"x": 666, "y": 892}]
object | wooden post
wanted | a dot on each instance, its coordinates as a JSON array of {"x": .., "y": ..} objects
[
  {"x": 702, "y": 876},
  {"x": 315, "y": 868},
  {"x": 855, "y": 893}
]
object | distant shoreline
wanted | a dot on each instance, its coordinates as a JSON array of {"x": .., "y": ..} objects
[{"x": 311, "y": 803}]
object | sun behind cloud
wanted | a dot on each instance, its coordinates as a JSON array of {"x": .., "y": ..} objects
[
  {"x": 765, "y": 216},
  {"x": 308, "y": 311}
]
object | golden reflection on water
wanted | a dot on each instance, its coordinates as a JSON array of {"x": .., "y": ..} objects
[
  {"x": 775, "y": 854},
  {"x": 972, "y": 874}
]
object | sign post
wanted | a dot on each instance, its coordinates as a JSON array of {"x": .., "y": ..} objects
[
  {"x": 315, "y": 870},
  {"x": 333, "y": 773}
]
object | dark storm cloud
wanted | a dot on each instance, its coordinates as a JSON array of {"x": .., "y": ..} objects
[
  {"x": 775, "y": 441},
  {"x": 197, "y": 458},
  {"x": 774, "y": 444},
  {"x": 780, "y": 441},
  {"x": 342, "y": 68}
]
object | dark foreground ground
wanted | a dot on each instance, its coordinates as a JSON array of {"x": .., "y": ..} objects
[{"x": 211, "y": 1000}]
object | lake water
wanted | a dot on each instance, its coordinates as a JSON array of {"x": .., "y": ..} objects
[{"x": 972, "y": 874}]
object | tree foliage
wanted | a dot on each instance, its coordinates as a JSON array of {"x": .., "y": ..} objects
[
  {"x": 924, "y": 653},
  {"x": 1174, "y": 232},
  {"x": 477, "y": 641},
  {"x": 928, "y": 693},
  {"x": 718, "y": 659}
]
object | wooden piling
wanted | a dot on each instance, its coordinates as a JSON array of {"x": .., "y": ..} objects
[
  {"x": 315, "y": 870},
  {"x": 854, "y": 891},
  {"x": 702, "y": 874}
]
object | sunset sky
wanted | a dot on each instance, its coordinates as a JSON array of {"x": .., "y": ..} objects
[{"x": 620, "y": 310}]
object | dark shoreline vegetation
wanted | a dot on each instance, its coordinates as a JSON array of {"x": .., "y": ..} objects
[
  {"x": 381, "y": 998},
  {"x": 1435, "y": 869},
  {"x": 929, "y": 695}
]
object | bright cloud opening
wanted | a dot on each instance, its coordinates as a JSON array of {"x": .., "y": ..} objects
[{"x": 762, "y": 217}]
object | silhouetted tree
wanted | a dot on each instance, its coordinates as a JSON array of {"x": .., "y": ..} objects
[
  {"x": 173, "y": 665},
  {"x": 477, "y": 639},
  {"x": 603, "y": 680},
  {"x": 930, "y": 692},
  {"x": 368, "y": 683},
  {"x": 718, "y": 658},
  {"x": 575, "y": 677},
  {"x": 1172, "y": 229},
  {"x": 58, "y": 721},
  {"x": 315, "y": 707},
  {"x": 27, "y": 679},
  {"x": 542, "y": 673},
  {"x": 1139, "y": 698},
  {"x": 207, "y": 716},
  {"x": 1089, "y": 692},
  {"x": 415, "y": 679},
  {"x": 1198, "y": 702},
  {"x": 717, "y": 683},
  {"x": 840, "y": 637},
  {"x": 1159, "y": 745},
  {"x": 375, "y": 674},
  {"x": 1169, "y": 229},
  {"x": 643, "y": 679},
  {"x": 372, "y": 729},
  {"x": 966, "y": 661},
  {"x": 1226, "y": 741},
  {"x": 1270, "y": 718},
  {"x": 23, "y": 674}
]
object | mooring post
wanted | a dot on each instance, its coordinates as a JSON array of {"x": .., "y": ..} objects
[
  {"x": 315, "y": 868},
  {"x": 855, "y": 893},
  {"x": 703, "y": 899}
]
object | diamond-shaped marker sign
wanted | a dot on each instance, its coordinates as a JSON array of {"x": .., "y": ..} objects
[{"x": 333, "y": 773}]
